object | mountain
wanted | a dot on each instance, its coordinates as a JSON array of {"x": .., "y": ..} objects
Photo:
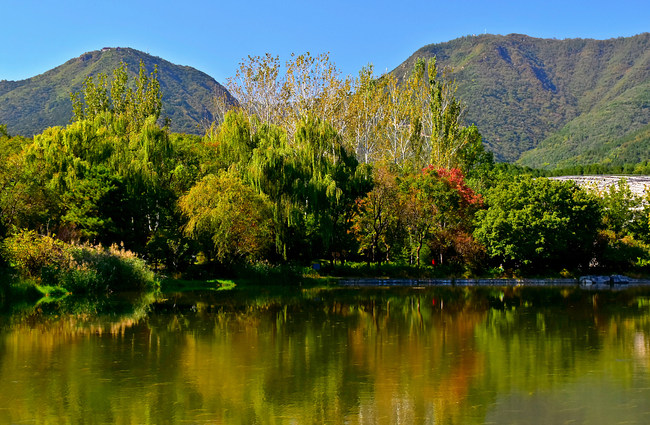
[
  {"x": 29, "y": 106},
  {"x": 547, "y": 102}
]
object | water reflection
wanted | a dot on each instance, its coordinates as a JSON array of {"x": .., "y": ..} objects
[{"x": 440, "y": 355}]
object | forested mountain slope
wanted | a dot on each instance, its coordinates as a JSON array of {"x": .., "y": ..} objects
[
  {"x": 548, "y": 102},
  {"x": 542, "y": 102},
  {"x": 29, "y": 106}
]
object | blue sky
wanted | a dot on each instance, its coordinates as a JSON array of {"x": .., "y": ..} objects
[{"x": 214, "y": 36}]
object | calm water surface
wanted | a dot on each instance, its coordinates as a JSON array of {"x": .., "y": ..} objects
[{"x": 401, "y": 355}]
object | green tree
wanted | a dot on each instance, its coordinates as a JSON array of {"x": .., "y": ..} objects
[
  {"x": 25, "y": 199},
  {"x": 624, "y": 239},
  {"x": 538, "y": 224},
  {"x": 91, "y": 181},
  {"x": 228, "y": 218},
  {"x": 311, "y": 179},
  {"x": 129, "y": 106},
  {"x": 623, "y": 211},
  {"x": 72, "y": 162}
]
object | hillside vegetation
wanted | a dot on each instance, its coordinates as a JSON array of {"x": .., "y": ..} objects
[
  {"x": 30, "y": 106},
  {"x": 543, "y": 103},
  {"x": 549, "y": 103}
]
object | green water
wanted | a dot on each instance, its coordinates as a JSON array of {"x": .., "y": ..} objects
[{"x": 440, "y": 356}]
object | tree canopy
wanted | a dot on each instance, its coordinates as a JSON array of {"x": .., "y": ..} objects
[{"x": 309, "y": 166}]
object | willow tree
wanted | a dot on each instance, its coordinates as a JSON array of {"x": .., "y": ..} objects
[
  {"x": 228, "y": 218},
  {"x": 313, "y": 182},
  {"x": 233, "y": 140},
  {"x": 311, "y": 179},
  {"x": 335, "y": 179}
]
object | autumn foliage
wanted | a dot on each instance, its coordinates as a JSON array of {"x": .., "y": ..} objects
[{"x": 407, "y": 213}]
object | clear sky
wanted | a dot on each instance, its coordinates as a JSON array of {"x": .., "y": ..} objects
[{"x": 214, "y": 36}]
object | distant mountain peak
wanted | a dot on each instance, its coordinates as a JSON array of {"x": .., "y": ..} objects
[
  {"x": 31, "y": 105},
  {"x": 547, "y": 101}
]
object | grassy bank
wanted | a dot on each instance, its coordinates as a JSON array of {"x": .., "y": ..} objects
[{"x": 51, "y": 267}]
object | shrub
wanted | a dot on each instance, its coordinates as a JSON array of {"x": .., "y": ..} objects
[
  {"x": 621, "y": 254},
  {"x": 33, "y": 255},
  {"x": 112, "y": 269},
  {"x": 77, "y": 268}
]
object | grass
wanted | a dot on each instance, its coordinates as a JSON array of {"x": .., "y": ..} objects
[
  {"x": 182, "y": 285},
  {"x": 265, "y": 275},
  {"x": 52, "y": 292}
]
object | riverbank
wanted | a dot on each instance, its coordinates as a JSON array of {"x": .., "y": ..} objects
[{"x": 598, "y": 284}]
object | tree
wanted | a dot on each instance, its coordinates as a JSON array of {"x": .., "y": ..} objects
[
  {"x": 412, "y": 124},
  {"x": 623, "y": 211},
  {"x": 334, "y": 180},
  {"x": 258, "y": 88},
  {"x": 25, "y": 199},
  {"x": 536, "y": 224},
  {"x": 128, "y": 107},
  {"x": 16, "y": 189},
  {"x": 366, "y": 115},
  {"x": 315, "y": 88},
  {"x": 311, "y": 86},
  {"x": 311, "y": 179},
  {"x": 446, "y": 141},
  {"x": 228, "y": 218},
  {"x": 92, "y": 181},
  {"x": 624, "y": 236},
  {"x": 437, "y": 207},
  {"x": 398, "y": 128},
  {"x": 376, "y": 224}
]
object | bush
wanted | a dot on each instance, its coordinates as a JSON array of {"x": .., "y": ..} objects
[
  {"x": 77, "y": 268},
  {"x": 33, "y": 255},
  {"x": 112, "y": 269},
  {"x": 621, "y": 254}
]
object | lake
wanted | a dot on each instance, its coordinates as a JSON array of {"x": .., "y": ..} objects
[{"x": 438, "y": 355}]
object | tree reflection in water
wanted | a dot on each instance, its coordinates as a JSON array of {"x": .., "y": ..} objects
[{"x": 401, "y": 355}]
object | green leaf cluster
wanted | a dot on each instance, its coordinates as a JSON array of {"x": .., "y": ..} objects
[
  {"x": 310, "y": 180},
  {"x": 539, "y": 224}
]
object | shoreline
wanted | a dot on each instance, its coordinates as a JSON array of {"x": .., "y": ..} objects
[{"x": 389, "y": 282}]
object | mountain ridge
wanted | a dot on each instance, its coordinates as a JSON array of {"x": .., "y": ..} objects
[
  {"x": 539, "y": 102},
  {"x": 523, "y": 91},
  {"x": 29, "y": 106}
]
